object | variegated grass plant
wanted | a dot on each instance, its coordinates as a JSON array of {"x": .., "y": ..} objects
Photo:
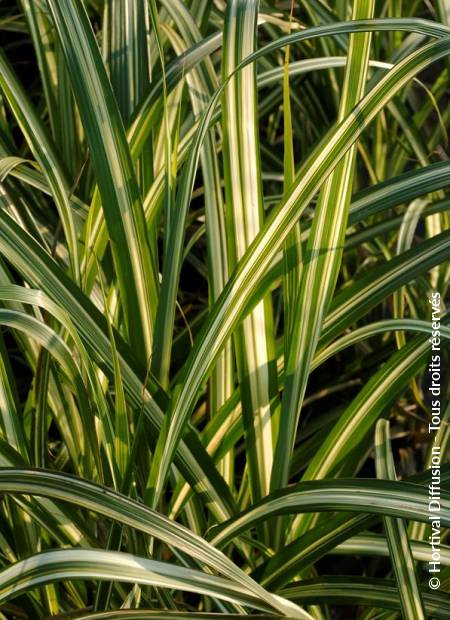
[{"x": 220, "y": 227}]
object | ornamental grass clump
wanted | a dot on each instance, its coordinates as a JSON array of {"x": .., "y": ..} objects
[{"x": 224, "y": 261}]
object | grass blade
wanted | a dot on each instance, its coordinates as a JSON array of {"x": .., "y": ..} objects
[
  {"x": 322, "y": 260},
  {"x": 110, "y": 154},
  {"x": 397, "y": 535},
  {"x": 254, "y": 341}
]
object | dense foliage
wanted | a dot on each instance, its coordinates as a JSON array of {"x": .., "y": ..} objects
[{"x": 221, "y": 226}]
